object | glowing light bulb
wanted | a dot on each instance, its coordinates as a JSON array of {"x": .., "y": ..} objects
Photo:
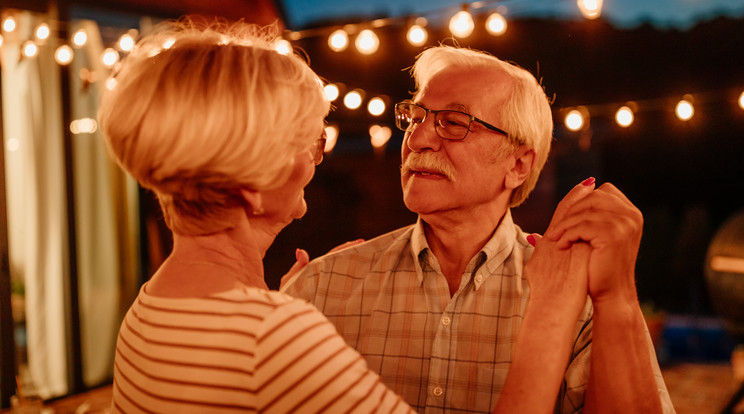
[
  {"x": 109, "y": 57},
  {"x": 461, "y": 25},
  {"x": 9, "y": 24},
  {"x": 43, "y": 31},
  {"x": 591, "y": 9},
  {"x": 283, "y": 46},
  {"x": 331, "y": 137},
  {"x": 30, "y": 49},
  {"x": 496, "y": 24},
  {"x": 353, "y": 99},
  {"x": 126, "y": 42},
  {"x": 379, "y": 135},
  {"x": 376, "y": 106},
  {"x": 574, "y": 120},
  {"x": 111, "y": 83},
  {"x": 79, "y": 38},
  {"x": 331, "y": 92},
  {"x": 367, "y": 42},
  {"x": 417, "y": 35},
  {"x": 741, "y": 100},
  {"x": 624, "y": 117},
  {"x": 338, "y": 41},
  {"x": 63, "y": 55},
  {"x": 13, "y": 144},
  {"x": 83, "y": 126},
  {"x": 684, "y": 110}
]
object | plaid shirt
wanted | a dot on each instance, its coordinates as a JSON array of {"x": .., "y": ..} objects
[{"x": 389, "y": 299}]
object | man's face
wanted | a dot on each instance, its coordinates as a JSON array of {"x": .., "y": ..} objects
[{"x": 466, "y": 175}]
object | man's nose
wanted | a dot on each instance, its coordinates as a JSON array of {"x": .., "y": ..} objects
[{"x": 424, "y": 136}]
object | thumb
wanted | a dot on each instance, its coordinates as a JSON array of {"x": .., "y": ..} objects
[{"x": 302, "y": 259}]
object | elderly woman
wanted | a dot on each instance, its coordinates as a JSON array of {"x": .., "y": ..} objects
[{"x": 226, "y": 132}]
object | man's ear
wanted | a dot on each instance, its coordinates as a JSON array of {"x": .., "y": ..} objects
[
  {"x": 524, "y": 159},
  {"x": 253, "y": 199}
]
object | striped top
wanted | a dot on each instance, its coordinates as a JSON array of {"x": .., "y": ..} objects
[
  {"x": 244, "y": 350},
  {"x": 443, "y": 354}
]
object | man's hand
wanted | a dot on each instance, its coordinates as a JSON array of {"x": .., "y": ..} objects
[
  {"x": 612, "y": 226},
  {"x": 303, "y": 258}
]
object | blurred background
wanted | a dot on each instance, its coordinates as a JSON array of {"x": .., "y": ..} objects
[{"x": 648, "y": 95}]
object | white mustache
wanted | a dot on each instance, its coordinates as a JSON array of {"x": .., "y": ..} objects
[{"x": 427, "y": 162}]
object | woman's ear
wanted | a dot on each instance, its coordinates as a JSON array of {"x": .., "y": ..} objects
[
  {"x": 254, "y": 200},
  {"x": 524, "y": 159}
]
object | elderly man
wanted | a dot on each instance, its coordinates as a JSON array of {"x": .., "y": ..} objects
[{"x": 455, "y": 312}]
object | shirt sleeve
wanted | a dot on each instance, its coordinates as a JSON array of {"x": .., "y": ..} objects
[{"x": 304, "y": 365}]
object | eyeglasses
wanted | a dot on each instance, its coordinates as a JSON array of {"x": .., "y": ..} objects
[
  {"x": 318, "y": 148},
  {"x": 452, "y": 125}
]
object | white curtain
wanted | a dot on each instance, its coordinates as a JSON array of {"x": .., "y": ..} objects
[{"x": 37, "y": 232}]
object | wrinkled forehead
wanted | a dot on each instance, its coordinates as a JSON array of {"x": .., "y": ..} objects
[{"x": 480, "y": 91}]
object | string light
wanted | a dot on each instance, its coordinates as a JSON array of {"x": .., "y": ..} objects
[
  {"x": 9, "y": 24},
  {"x": 353, "y": 99},
  {"x": 79, "y": 38},
  {"x": 83, "y": 126},
  {"x": 331, "y": 92},
  {"x": 379, "y": 135},
  {"x": 30, "y": 49},
  {"x": 741, "y": 100},
  {"x": 591, "y": 9},
  {"x": 43, "y": 32},
  {"x": 109, "y": 57},
  {"x": 461, "y": 25},
  {"x": 63, "y": 55},
  {"x": 574, "y": 120},
  {"x": 331, "y": 137},
  {"x": 624, "y": 116},
  {"x": 338, "y": 41},
  {"x": 496, "y": 24},
  {"x": 376, "y": 106},
  {"x": 367, "y": 42},
  {"x": 126, "y": 41},
  {"x": 417, "y": 34},
  {"x": 283, "y": 46},
  {"x": 684, "y": 109}
]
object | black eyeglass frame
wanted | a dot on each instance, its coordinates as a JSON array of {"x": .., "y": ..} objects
[{"x": 471, "y": 118}]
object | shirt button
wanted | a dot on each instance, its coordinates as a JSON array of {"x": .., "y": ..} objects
[
  {"x": 446, "y": 320},
  {"x": 478, "y": 278},
  {"x": 438, "y": 391}
]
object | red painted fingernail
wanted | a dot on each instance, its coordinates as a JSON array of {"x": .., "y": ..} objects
[
  {"x": 589, "y": 181},
  {"x": 531, "y": 240}
]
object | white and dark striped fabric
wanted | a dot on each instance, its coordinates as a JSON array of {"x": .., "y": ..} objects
[{"x": 246, "y": 350}]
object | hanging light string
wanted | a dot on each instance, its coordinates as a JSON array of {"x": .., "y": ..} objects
[{"x": 461, "y": 25}]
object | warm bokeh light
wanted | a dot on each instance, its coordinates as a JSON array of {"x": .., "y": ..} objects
[
  {"x": 9, "y": 24},
  {"x": 376, "y": 106},
  {"x": 684, "y": 110},
  {"x": 379, "y": 135},
  {"x": 169, "y": 43},
  {"x": 461, "y": 25},
  {"x": 741, "y": 100},
  {"x": 417, "y": 35},
  {"x": 63, "y": 55},
  {"x": 79, "y": 38},
  {"x": 283, "y": 46},
  {"x": 109, "y": 57},
  {"x": 83, "y": 126},
  {"x": 43, "y": 32},
  {"x": 30, "y": 49},
  {"x": 338, "y": 41},
  {"x": 496, "y": 24},
  {"x": 624, "y": 116},
  {"x": 13, "y": 144},
  {"x": 126, "y": 42},
  {"x": 367, "y": 42},
  {"x": 2, "y": 40},
  {"x": 353, "y": 99},
  {"x": 591, "y": 9},
  {"x": 331, "y": 92},
  {"x": 331, "y": 137},
  {"x": 574, "y": 120},
  {"x": 111, "y": 83}
]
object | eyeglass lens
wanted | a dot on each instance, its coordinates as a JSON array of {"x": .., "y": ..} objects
[{"x": 448, "y": 124}]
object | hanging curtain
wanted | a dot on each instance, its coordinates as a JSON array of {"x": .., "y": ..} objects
[
  {"x": 106, "y": 219},
  {"x": 37, "y": 231}
]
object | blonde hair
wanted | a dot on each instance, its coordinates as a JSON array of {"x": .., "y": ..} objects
[
  {"x": 526, "y": 115},
  {"x": 202, "y": 109}
]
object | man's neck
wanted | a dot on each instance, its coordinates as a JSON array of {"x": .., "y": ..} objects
[{"x": 455, "y": 239}]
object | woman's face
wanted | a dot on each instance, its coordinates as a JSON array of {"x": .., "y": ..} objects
[{"x": 287, "y": 202}]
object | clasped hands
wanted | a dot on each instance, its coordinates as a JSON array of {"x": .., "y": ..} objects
[{"x": 590, "y": 247}]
